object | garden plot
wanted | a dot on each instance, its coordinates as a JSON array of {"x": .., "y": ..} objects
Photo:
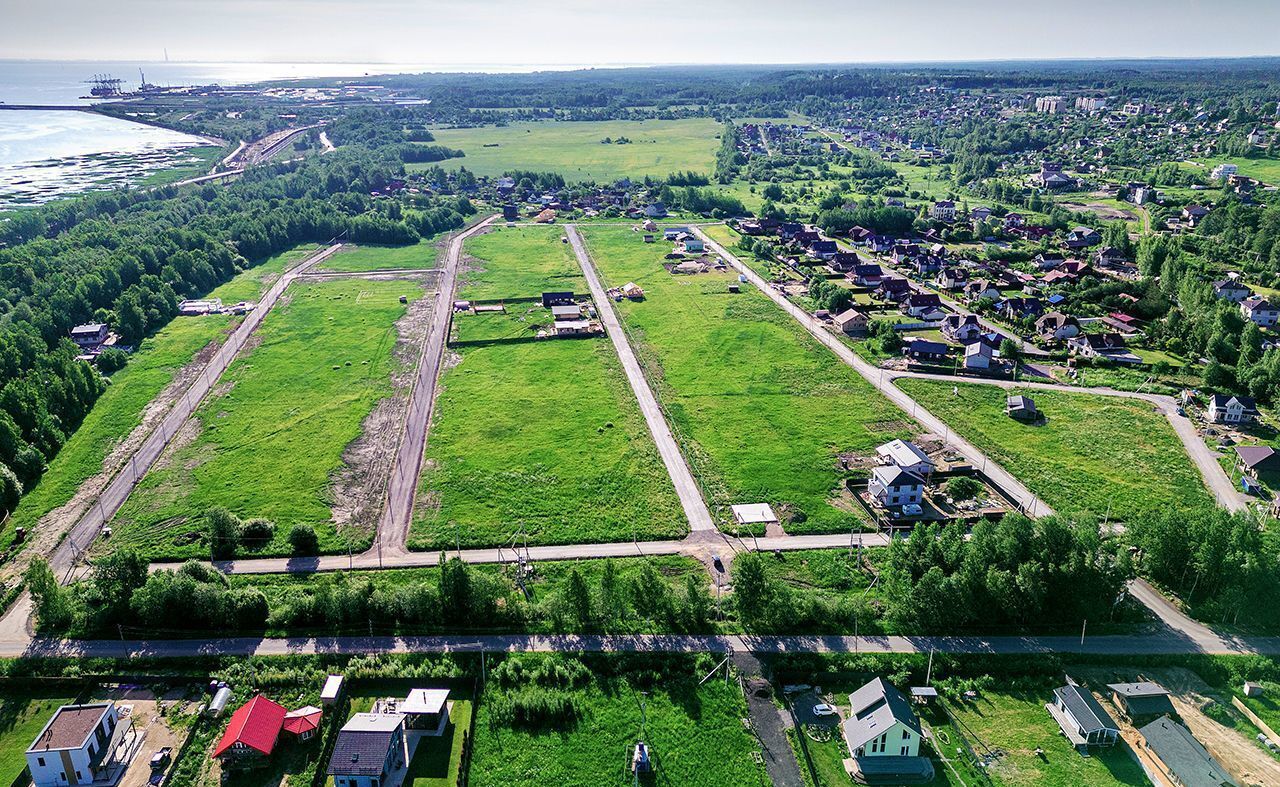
[
  {"x": 536, "y": 437},
  {"x": 763, "y": 412},
  {"x": 300, "y": 430}
]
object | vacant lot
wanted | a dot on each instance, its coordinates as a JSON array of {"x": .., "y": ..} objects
[
  {"x": 543, "y": 435},
  {"x": 1094, "y": 454},
  {"x": 270, "y": 438},
  {"x": 1009, "y": 726},
  {"x": 762, "y": 409},
  {"x": 575, "y": 149},
  {"x": 416, "y": 256},
  {"x": 696, "y": 736}
]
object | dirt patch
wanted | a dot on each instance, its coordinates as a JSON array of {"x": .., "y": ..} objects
[
  {"x": 359, "y": 487},
  {"x": 1108, "y": 212}
]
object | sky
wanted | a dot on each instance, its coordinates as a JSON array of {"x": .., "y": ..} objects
[{"x": 532, "y": 32}]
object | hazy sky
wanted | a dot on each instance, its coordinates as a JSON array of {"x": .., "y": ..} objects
[{"x": 637, "y": 31}]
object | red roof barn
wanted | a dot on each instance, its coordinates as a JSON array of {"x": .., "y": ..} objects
[{"x": 253, "y": 729}]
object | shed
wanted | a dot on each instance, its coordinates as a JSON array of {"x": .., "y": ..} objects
[
  {"x": 332, "y": 690},
  {"x": 1021, "y": 408},
  {"x": 1252, "y": 689},
  {"x": 1143, "y": 699},
  {"x": 753, "y": 514}
]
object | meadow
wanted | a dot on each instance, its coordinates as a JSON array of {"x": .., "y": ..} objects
[
  {"x": 1100, "y": 455},
  {"x": 23, "y": 713},
  {"x": 360, "y": 259},
  {"x": 575, "y": 150},
  {"x": 119, "y": 410},
  {"x": 270, "y": 437},
  {"x": 1266, "y": 170},
  {"x": 762, "y": 410},
  {"x": 543, "y": 435},
  {"x": 695, "y": 734}
]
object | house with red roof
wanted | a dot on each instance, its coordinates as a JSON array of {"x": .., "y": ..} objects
[
  {"x": 303, "y": 722},
  {"x": 253, "y": 730}
]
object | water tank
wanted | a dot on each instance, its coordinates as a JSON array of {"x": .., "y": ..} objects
[{"x": 219, "y": 702}]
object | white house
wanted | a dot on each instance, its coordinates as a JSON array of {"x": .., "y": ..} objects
[
  {"x": 890, "y": 485},
  {"x": 881, "y": 723},
  {"x": 692, "y": 244},
  {"x": 1081, "y": 717},
  {"x": 1224, "y": 171},
  {"x": 79, "y": 745},
  {"x": 1057, "y": 326},
  {"x": 943, "y": 210},
  {"x": 978, "y": 356},
  {"x": 906, "y": 456},
  {"x": 1225, "y": 409},
  {"x": 1231, "y": 289},
  {"x": 1260, "y": 311}
]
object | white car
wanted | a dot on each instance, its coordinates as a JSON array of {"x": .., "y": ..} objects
[
  {"x": 911, "y": 509},
  {"x": 823, "y": 709}
]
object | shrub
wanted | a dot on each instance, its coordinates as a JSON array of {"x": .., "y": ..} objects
[
  {"x": 223, "y": 533},
  {"x": 255, "y": 533},
  {"x": 303, "y": 540},
  {"x": 112, "y": 359},
  {"x": 964, "y": 488}
]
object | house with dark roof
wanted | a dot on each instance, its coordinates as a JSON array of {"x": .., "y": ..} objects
[
  {"x": 1231, "y": 289},
  {"x": 1256, "y": 459},
  {"x": 1181, "y": 758},
  {"x": 252, "y": 732},
  {"x": 893, "y": 289},
  {"x": 80, "y": 745},
  {"x": 844, "y": 262},
  {"x": 1228, "y": 409},
  {"x": 370, "y": 751},
  {"x": 1142, "y": 700},
  {"x": 867, "y": 275},
  {"x": 1021, "y": 408},
  {"x": 1260, "y": 311},
  {"x": 823, "y": 249},
  {"x": 962, "y": 328},
  {"x": 1108, "y": 346},
  {"x": 923, "y": 305},
  {"x": 883, "y": 736},
  {"x": 980, "y": 289},
  {"x": 925, "y": 351},
  {"x": 952, "y": 278},
  {"x": 1081, "y": 717},
  {"x": 1056, "y": 326}
]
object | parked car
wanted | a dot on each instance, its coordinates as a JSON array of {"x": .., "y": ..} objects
[
  {"x": 823, "y": 709},
  {"x": 911, "y": 509}
]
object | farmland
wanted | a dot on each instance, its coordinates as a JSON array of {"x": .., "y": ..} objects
[
  {"x": 540, "y": 434},
  {"x": 695, "y": 733},
  {"x": 1093, "y": 454},
  {"x": 575, "y": 150},
  {"x": 262, "y": 445},
  {"x": 416, "y": 256},
  {"x": 761, "y": 409}
]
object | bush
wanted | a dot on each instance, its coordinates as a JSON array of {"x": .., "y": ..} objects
[
  {"x": 533, "y": 708},
  {"x": 112, "y": 359},
  {"x": 256, "y": 533},
  {"x": 303, "y": 540},
  {"x": 964, "y": 488},
  {"x": 223, "y": 533}
]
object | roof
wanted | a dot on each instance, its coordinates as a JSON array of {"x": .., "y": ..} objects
[
  {"x": 849, "y": 315},
  {"x": 753, "y": 513},
  {"x": 1144, "y": 688},
  {"x": 1084, "y": 708},
  {"x": 1020, "y": 402},
  {"x": 1183, "y": 755},
  {"x": 1223, "y": 401},
  {"x": 424, "y": 701},
  {"x": 70, "y": 727},
  {"x": 256, "y": 724},
  {"x": 875, "y": 708},
  {"x": 1254, "y": 456},
  {"x": 332, "y": 687},
  {"x": 892, "y": 475},
  {"x": 926, "y": 347},
  {"x": 363, "y": 743},
  {"x": 302, "y": 720},
  {"x": 89, "y": 328},
  {"x": 903, "y": 454}
]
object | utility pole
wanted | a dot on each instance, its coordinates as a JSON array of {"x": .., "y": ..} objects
[
  {"x": 928, "y": 675},
  {"x": 1082, "y": 628}
]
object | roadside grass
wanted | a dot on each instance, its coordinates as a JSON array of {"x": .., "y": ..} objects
[
  {"x": 350, "y": 258},
  {"x": 1014, "y": 724},
  {"x": 1093, "y": 454},
  {"x": 575, "y": 151},
  {"x": 761, "y": 409},
  {"x": 271, "y": 435},
  {"x": 252, "y": 283},
  {"x": 543, "y": 435},
  {"x": 829, "y": 573},
  {"x": 23, "y": 713},
  {"x": 695, "y": 734}
]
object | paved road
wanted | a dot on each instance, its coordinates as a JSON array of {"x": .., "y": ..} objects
[
  {"x": 393, "y": 526},
  {"x": 1215, "y": 478},
  {"x": 117, "y": 491},
  {"x": 878, "y": 378},
  {"x": 695, "y": 508}
]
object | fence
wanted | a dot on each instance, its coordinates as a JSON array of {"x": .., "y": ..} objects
[{"x": 1257, "y": 722}]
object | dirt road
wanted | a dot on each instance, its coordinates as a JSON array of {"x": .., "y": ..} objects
[{"x": 695, "y": 508}]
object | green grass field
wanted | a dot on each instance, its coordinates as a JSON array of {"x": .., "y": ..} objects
[
  {"x": 574, "y": 149},
  {"x": 1266, "y": 170},
  {"x": 120, "y": 409},
  {"x": 761, "y": 408},
  {"x": 201, "y": 160},
  {"x": 544, "y": 434},
  {"x": 1016, "y": 723},
  {"x": 23, "y": 714},
  {"x": 271, "y": 436},
  {"x": 1094, "y": 454},
  {"x": 415, "y": 256},
  {"x": 696, "y": 736}
]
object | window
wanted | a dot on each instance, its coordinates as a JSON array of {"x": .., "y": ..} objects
[
  {"x": 40, "y": 761},
  {"x": 906, "y": 750},
  {"x": 906, "y": 735}
]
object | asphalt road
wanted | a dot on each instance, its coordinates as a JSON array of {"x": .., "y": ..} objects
[
  {"x": 690, "y": 494},
  {"x": 393, "y": 526},
  {"x": 879, "y": 378},
  {"x": 1215, "y": 478}
]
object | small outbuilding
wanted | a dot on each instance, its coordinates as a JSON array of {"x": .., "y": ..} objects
[
  {"x": 754, "y": 514},
  {"x": 1142, "y": 700},
  {"x": 1021, "y": 408},
  {"x": 332, "y": 690},
  {"x": 1081, "y": 717}
]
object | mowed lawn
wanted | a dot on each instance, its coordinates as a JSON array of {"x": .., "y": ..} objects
[
  {"x": 22, "y": 715},
  {"x": 1092, "y": 454},
  {"x": 1264, "y": 169},
  {"x": 271, "y": 435},
  {"x": 1016, "y": 723},
  {"x": 415, "y": 256},
  {"x": 575, "y": 151},
  {"x": 119, "y": 410},
  {"x": 540, "y": 434},
  {"x": 761, "y": 408},
  {"x": 696, "y": 738}
]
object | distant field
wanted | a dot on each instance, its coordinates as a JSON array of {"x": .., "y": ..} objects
[
  {"x": 541, "y": 433},
  {"x": 415, "y": 256},
  {"x": 269, "y": 439},
  {"x": 695, "y": 733},
  {"x": 574, "y": 149},
  {"x": 1266, "y": 170},
  {"x": 132, "y": 388},
  {"x": 1096, "y": 454},
  {"x": 761, "y": 408}
]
